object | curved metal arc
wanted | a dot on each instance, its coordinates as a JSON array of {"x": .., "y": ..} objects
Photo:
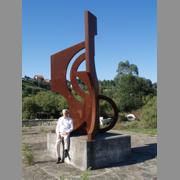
[
  {"x": 115, "y": 117},
  {"x": 90, "y": 98},
  {"x": 70, "y": 93},
  {"x": 74, "y": 74},
  {"x": 59, "y": 65}
]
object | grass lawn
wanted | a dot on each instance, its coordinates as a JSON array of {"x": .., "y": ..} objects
[{"x": 124, "y": 127}]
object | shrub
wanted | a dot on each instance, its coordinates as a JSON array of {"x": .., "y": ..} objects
[
  {"x": 105, "y": 109},
  {"x": 122, "y": 117},
  {"x": 27, "y": 155},
  {"x": 148, "y": 115},
  {"x": 47, "y": 102},
  {"x": 29, "y": 108},
  {"x": 85, "y": 175},
  {"x": 61, "y": 178}
]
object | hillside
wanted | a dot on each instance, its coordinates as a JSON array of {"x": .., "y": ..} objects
[{"x": 32, "y": 87}]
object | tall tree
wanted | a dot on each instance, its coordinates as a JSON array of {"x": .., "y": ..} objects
[
  {"x": 128, "y": 94},
  {"x": 131, "y": 90},
  {"x": 125, "y": 68}
]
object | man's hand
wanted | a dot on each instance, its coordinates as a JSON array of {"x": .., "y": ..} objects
[
  {"x": 59, "y": 135},
  {"x": 65, "y": 133}
]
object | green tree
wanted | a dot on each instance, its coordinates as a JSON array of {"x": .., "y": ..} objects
[
  {"x": 107, "y": 87},
  {"x": 146, "y": 87},
  {"x": 50, "y": 102},
  {"x": 29, "y": 108},
  {"x": 44, "y": 101},
  {"x": 125, "y": 68},
  {"x": 130, "y": 90},
  {"x": 128, "y": 94}
]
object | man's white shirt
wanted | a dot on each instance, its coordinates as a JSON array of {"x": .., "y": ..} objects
[{"x": 64, "y": 124}]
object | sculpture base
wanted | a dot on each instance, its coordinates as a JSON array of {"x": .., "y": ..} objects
[{"x": 106, "y": 150}]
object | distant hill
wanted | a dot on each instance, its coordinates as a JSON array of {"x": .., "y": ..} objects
[{"x": 32, "y": 87}]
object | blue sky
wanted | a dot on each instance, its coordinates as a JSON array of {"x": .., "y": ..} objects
[{"x": 127, "y": 30}]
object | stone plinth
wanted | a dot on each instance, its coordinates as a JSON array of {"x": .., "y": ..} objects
[{"x": 106, "y": 150}]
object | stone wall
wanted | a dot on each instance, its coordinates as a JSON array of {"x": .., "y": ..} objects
[{"x": 39, "y": 122}]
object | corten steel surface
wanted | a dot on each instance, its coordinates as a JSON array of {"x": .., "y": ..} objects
[{"x": 85, "y": 112}]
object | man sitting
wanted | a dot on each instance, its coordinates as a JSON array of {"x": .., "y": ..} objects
[{"x": 63, "y": 129}]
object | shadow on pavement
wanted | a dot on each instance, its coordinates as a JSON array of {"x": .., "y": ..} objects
[{"x": 138, "y": 155}]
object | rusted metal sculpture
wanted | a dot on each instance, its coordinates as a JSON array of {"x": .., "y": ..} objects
[{"x": 85, "y": 113}]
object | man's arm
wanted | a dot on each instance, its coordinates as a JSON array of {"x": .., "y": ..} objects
[
  {"x": 58, "y": 126},
  {"x": 71, "y": 127}
]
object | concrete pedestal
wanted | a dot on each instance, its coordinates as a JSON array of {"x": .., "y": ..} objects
[{"x": 105, "y": 150}]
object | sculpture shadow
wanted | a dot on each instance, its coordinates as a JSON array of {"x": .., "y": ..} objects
[
  {"x": 98, "y": 136},
  {"x": 138, "y": 155},
  {"x": 107, "y": 135}
]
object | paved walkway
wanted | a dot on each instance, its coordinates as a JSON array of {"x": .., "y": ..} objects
[{"x": 141, "y": 166}]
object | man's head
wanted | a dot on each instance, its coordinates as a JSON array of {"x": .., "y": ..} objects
[{"x": 65, "y": 112}]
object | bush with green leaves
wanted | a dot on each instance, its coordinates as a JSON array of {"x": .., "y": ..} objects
[
  {"x": 27, "y": 154},
  {"x": 50, "y": 102},
  {"x": 148, "y": 114},
  {"x": 131, "y": 91},
  {"x": 105, "y": 109},
  {"x": 46, "y": 101},
  {"x": 127, "y": 93},
  {"x": 85, "y": 175},
  {"x": 29, "y": 108}
]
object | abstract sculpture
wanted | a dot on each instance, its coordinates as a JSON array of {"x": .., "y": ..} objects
[{"x": 85, "y": 113}]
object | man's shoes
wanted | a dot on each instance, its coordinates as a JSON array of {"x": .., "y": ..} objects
[
  {"x": 65, "y": 153},
  {"x": 58, "y": 161}
]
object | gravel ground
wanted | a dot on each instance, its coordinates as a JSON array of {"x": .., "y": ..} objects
[{"x": 141, "y": 166}]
